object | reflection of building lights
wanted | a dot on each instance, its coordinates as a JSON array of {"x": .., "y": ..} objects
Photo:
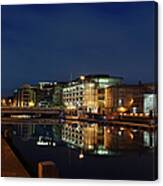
[
  {"x": 102, "y": 152},
  {"x": 119, "y": 133},
  {"x": 131, "y": 136},
  {"x": 108, "y": 131},
  {"x": 81, "y": 155},
  {"x": 42, "y": 143},
  {"x": 54, "y": 144},
  {"x": 122, "y": 128},
  {"x": 135, "y": 130},
  {"x": 120, "y": 102},
  {"x": 45, "y": 141}
]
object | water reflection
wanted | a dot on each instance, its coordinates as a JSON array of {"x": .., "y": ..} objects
[
  {"x": 84, "y": 150},
  {"x": 91, "y": 138}
]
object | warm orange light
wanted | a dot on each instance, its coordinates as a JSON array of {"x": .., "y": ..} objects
[
  {"x": 108, "y": 131},
  {"x": 31, "y": 104},
  {"x": 131, "y": 101},
  {"x": 131, "y": 136},
  {"x": 122, "y": 109},
  {"x": 141, "y": 114},
  {"x": 82, "y": 77},
  {"x": 21, "y": 104},
  {"x": 3, "y": 102},
  {"x": 14, "y": 103}
]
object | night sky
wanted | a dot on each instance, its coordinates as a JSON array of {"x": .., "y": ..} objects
[{"x": 51, "y": 42}]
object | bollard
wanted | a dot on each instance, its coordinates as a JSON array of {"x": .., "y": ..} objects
[{"x": 47, "y": 169}]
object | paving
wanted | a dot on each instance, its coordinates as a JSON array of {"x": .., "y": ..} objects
[{"x": 10, "y": 164}]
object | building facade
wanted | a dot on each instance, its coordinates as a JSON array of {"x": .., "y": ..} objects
[
  {"x": 128, "y": 98},
  {"x": 87, "y": 93},
  {"x": 150, "y": 104},
  {"x": 49, "y": 94},
  {"x": 25, "y": 96},
  {"x": 43, "y": 94}
]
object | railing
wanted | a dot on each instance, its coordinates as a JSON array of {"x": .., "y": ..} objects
[
  {"x": 30, "y": 110},
  {"x": 40, "y": 121}
]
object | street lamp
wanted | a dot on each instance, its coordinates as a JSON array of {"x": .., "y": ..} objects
[{"x": 82, "y": 77}]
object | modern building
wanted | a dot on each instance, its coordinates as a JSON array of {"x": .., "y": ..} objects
[
  {"x": 101, "y": 94},
  {"x": 87, "y": 93},
  {"x": 25, "y": 96},
  {"x": 44, "y": 94},
  {"x": 150, "y": 104},
  {"x": 49, "y": 94},
  {"x": 128, "y": 98}
]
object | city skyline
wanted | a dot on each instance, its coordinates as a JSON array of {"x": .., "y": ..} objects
[
  {"x": 80, "y": 91},
  {"x": 51, "y": 42}
]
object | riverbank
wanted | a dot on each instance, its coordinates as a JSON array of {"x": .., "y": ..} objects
[{"x": 10, "y": 164}]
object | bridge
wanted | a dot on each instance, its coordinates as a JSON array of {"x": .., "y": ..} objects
[
  {"x": 34, "y": 110},
  {"x": 10, "y": 116},
  {"x": 30, "y": 121},
  {"x": 133, "y": 124}
]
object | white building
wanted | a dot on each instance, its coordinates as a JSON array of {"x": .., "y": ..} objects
[
  {"x": 150, "y": 104},
  {"x": 87, "y": 92}
]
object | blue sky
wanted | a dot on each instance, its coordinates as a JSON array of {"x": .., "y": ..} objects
[{"x": 51, "y": 42}]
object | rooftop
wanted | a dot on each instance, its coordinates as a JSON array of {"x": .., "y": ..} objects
[{"x": 93, "y": 76}]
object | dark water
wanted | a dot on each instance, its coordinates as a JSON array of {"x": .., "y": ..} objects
[{"x": 109, "y": 152}]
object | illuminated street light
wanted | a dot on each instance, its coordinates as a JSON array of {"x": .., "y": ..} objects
[{"x": 82, "y": 77}]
